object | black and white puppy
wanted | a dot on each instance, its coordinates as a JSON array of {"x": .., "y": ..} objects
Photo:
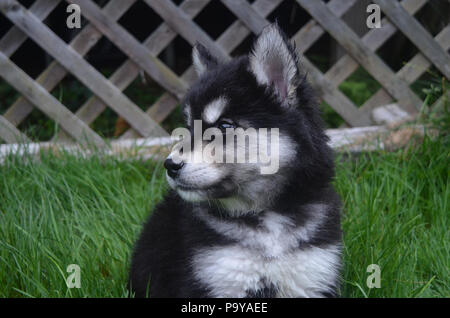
[{"x": 227, "y": 230}]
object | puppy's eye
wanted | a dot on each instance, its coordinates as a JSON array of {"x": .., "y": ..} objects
[{"x": 223, "y": 125}]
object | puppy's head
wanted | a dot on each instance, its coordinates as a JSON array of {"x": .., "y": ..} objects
[{"x": 237, "y": 100}]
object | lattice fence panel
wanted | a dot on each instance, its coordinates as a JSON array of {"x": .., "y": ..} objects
[{"x": 178, "y": 21}]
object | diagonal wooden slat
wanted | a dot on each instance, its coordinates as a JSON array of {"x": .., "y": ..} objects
[
  {"x": 419, "y": 63},
  {"x": 335, "y": 98},
  {"x": 14, "y": 38},
  {"x": 55, "y": 72},
  {"x": 10, "y": 134},
  {"x": 374, "y": 39},
  {"x": 47, "y": 103},
  {"x": 368, "y": 59},
  {"x": 416, "y": 34},
  {"x": 90, "y": 77},
  {"x": 128, "y": 71},
  {"x": 129, "y": 45},
  {"x": 184, "y": 26},
  {"x": 238, "y": 31},
  {"x": 312, "y": 30},
  {"x": 442, "y": 101},
  {"x": 409, "y": 72},
  {"x": 228, "y": 40},
  {"x": 243, "y": 9}
]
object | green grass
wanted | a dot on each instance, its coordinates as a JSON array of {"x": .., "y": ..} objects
[
  {"x": 397, "y": 216},
  {"x": 67, "y": 210}
]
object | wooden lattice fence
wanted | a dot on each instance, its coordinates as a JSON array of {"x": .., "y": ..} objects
[{"x": 178, "y": 21}]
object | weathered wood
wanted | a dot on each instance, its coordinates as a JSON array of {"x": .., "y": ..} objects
[
  {"x": 55, "y": 72},
  {"x": 14, "y": 38},
  {"x": 238, "y": 31},
  {"x": 335, "y": 98},
  {"x": 312, "y": 31},
  {"x": 143, "y": 148},
  {"x": 389, "y": 115},
  {"x": 245, "y": 12},
  {"x": 228, "y": 40},
  {"x": 373, "y": 39},
  {"x": 353, "y": 140},
  {"x": 416, "y": 34},
  {"x": 90, "y": 77},
  {"x": 339, "y": 101},
  {"x": 357, "y": 138},
  {"x": 128, "y": 71},
  {"x": 410, "y": 72},
  {"x": 368, "y": 59},
  {"x": 184, "y": 26},
  {"x": 9, "y": 133},
  {"x": 372, "y": 138},
  {"x": 256, "y": 23},
  {"x": 442, "y": 101},
  {"x": 46, "y": 102},
  {"x": 178, "y": 21},
  {"x": 129, "y": 45}
]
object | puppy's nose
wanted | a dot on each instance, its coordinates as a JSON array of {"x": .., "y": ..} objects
[{"x": 172, "y": 167}]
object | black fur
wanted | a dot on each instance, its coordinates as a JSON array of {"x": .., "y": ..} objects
[{"x": 161, "y": 260}]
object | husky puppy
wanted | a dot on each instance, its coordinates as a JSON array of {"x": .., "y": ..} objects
[{"x": 227, "y": 230}]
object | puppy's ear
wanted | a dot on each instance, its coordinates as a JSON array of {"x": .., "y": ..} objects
[
  {"x": 274, "y": 63},
  {"x": 202, "y": 59}
]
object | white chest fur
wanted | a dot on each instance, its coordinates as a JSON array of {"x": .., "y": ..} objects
[{"x": 267, "y": 255}]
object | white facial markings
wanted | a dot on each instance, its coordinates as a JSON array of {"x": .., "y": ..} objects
[
  {"x": 253, "y": 191},
  {"x": 214, "y": 110},
  {"x": 200, "y": 175}
]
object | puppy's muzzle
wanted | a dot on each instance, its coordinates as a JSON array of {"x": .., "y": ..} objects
[{"x": 173, "y": 167}]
